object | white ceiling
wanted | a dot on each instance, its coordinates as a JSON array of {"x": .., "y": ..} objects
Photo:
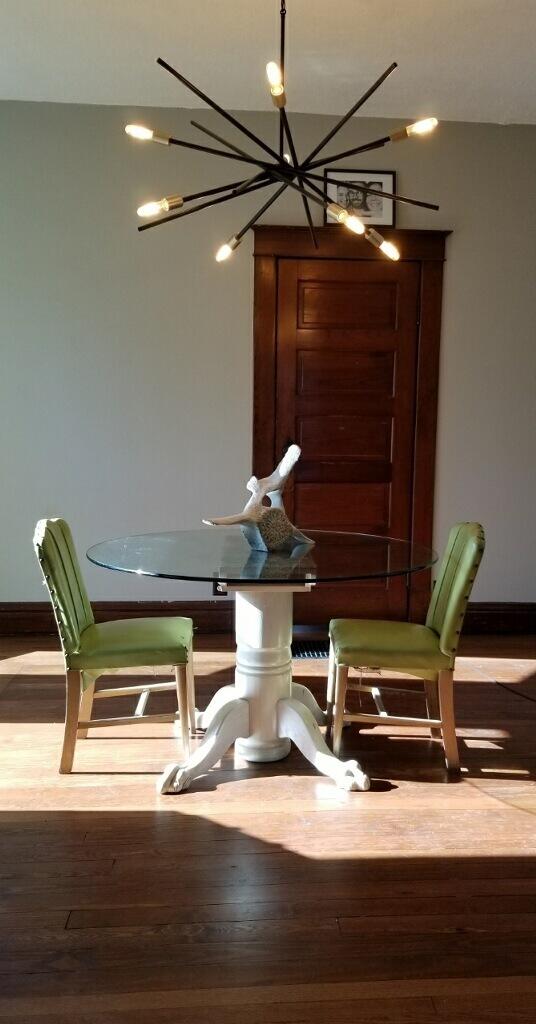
[{"x": 465, "y": 60}]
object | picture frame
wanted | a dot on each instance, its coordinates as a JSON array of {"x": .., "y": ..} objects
[{"x": 371, "y": 209}]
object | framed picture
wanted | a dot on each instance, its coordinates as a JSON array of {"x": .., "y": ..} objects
[{"x": 348, "y": 189}]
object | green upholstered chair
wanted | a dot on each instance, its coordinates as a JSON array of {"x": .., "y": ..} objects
[
  {"x": 91, "y": 649},
  {"x": 427, "y": 652}
]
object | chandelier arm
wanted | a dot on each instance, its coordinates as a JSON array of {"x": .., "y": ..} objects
[
  {"x": 310, "y": 223},
  {"x": 202, "y": 206},
  {"x": 282, "y": 15},
  {"x": 324, "y": 202},
  {"x": 286, "y": 128},
  {"x": 233, "y": 185},
  {"x": 376, "y": 192},
  {"x": 377, "y": 144},
  {"x": 350, "y": 113},
  {"x": 251, "y": 181},
  {"x": 215, "y": 106},
  {"x": 240, "y": 234},
  {"x": 235, "y": 149},
  {"x": 215, "y": 152},
  {"x": 319, "y": 191}
]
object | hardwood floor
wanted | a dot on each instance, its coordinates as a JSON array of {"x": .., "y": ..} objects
[{"x": 265, "y": 894}]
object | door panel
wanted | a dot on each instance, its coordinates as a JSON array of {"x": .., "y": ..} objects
[
  {"x": 362, "y": 507},
  {"x": 346, "y": 351},
  {"x": 322, "y": 372}
]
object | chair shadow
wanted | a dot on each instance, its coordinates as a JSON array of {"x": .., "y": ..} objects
[{"x": 483, "y": 711}]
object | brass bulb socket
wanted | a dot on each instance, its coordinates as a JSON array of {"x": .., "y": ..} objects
[
  {"x": 399, "y": 135},
  {"x": 374, "y": 237},
  {"x": 162, "y": 139},
  {"x": 174, "y": 202},
  {"x": 279, "y": 100}
]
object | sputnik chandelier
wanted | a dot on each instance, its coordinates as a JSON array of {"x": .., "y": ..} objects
[{"x": 283, "y": 168}]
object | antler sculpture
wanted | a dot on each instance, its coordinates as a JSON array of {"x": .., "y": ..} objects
[{"x": 267, "y": 527}]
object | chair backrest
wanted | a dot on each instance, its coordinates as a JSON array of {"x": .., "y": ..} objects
[
  {"x": 454, "y": 583},
  {"x": 56, "y": 552}
]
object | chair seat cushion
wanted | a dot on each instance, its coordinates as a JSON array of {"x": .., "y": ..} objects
[
  {"x": 128, "y": 643},
  {"x": 383, "y": 644}
]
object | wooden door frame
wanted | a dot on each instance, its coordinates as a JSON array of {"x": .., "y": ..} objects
[{"x": 427, "y": 248}]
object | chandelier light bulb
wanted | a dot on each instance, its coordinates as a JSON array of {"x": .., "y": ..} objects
[
  {"x": 275, "y": 80},
  {"x": 157, "y": 206},
  {"x": 144, "y": 134},
  {"x": 287, "y": 157},
  {"x": 422, "y": 127},
  {"x": 390, "y": 250},
  {"x": 273, "y": 74},
  {"x": 354, "y": 224},
  {"x": 226, "y": 249}
]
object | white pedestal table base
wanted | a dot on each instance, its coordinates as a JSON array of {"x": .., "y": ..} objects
[{"x": 264, "y": 711}]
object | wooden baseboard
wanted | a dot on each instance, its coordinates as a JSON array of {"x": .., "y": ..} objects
[
  {"x": 35, "y": 617},
  {"x": 500, "y": 617}
]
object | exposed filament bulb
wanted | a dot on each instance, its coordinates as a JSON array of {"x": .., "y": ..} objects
[
  {"x": 275, "y": 81},
  {"x": 157, "y": 206},
  {"x": 423, "y": 127},
  {"x": 354, "y": 224},
  {"x": 227, "y": 249},
  {"x": 349, "y": 220},
  {"x": 144, "y": 134}
]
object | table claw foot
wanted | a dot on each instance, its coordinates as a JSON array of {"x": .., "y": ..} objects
[
  {"x": 229, "y": 723},
  {"x": 304, "y": 695},
  {"x": 296, "y": 722},
  {"x": 352, "y": 778},
  {"x": 222, "y": 697},
  {"x": 173, "y": 779}
]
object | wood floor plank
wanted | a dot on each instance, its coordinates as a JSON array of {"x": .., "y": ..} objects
[{"x": 375, "y": 1011}]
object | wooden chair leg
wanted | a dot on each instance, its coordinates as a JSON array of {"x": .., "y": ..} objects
[
  {"x": 73, "y": 681},
  {"x": 432, "y": 704},
  {"x": 191, "y": 690},
  {"x": 448, "y": 727},
  {"x": 86, "y": 705},
  {"x": 330, "y": 696},
  {"x": 341, "y": 683},
  {"x": 182, "y": 698}
]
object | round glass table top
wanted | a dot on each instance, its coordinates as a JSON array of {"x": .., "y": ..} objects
[{"x": 223, "y": 554}]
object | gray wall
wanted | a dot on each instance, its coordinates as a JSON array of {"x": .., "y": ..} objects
[{"x": 126, "y": 358}]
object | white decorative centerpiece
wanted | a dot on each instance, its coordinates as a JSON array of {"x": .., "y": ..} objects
[{"x": 267, "y": 527}]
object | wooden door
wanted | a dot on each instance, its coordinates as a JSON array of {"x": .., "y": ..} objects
[
  {"x": 345, "y": 392},
  {"x": 353, "y": 358}
]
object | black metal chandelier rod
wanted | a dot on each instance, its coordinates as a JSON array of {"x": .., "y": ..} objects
[
  {"x": 269, "y": 169},
  {"x": 286, "y": 128},
  {"x": 214, "y": 152},
  {"x": 282, "y": 16},
  {"x": 375, "y": 192},
  {"x": 233, "y": 186},
  {"x": 350, "y": 113},
  {"x": 203, "y": 206},
  {"x": 215, "y": 106},
  {"x": 241, "y": 154},
  {"x": 377, "y": 144},
  {"x": 240, "y": 234}
]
